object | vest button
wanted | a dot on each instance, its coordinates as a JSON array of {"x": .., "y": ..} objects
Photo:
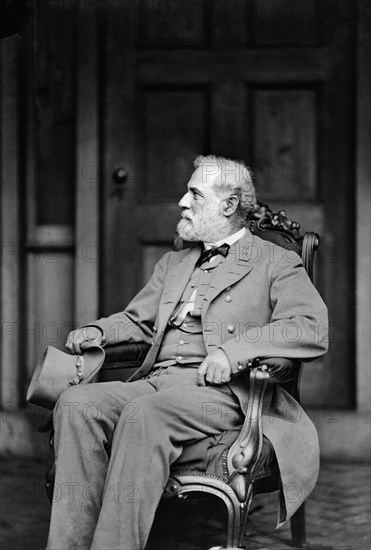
[
  {"x": 179, "y": 358},
  {"x": 240, "y": 367},
  {"x": 181, "y": 342},
  {"x": 193, "y": 285},
  {"x": 231, "y": 328},
  {"x": 205, "y": 270},
  {"x": 228, "y": 298}
]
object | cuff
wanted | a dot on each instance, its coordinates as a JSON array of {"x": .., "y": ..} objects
[
  {"x": 240, "y": 365},
  {"x": 104, "y": 339}
]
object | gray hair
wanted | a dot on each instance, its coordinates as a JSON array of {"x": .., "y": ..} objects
[{"x": 235, "y": 179}]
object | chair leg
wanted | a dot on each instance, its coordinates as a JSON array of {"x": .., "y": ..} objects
[
  {"x": 237, "y": 519},
  {"x": 234, "y": 527},
  {"x": 244, "y": 516},
  {"x": 298, "y": 530}
]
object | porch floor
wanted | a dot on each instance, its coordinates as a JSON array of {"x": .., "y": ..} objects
[{"x": 338, "y": 513}]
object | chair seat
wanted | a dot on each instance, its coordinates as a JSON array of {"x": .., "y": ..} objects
[{"x": 208, "y": 458}]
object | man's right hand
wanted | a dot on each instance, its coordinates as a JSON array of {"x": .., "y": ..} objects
[{"x": 81, "y": 335}]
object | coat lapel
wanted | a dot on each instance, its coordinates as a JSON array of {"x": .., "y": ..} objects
[
  {"x": 176, "y": 282},
  {"x": 235, "y": 266}
]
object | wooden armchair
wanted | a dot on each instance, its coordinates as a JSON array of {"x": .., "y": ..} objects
[{"x": 247, "y": 463}]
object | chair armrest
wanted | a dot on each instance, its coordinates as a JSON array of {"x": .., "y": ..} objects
[
  {"x": 280, "y": 369},
  {"x": 125, "y": 355},
  {"x": 245, "y": 451}
]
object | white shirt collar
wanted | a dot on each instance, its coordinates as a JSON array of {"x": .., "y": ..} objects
[{"x": 228, "y": 240}]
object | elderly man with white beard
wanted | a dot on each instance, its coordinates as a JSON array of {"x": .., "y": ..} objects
[{"x": 119, "y": 461}]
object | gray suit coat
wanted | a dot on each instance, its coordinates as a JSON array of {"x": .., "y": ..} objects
[{"x": 260, "y": 303}]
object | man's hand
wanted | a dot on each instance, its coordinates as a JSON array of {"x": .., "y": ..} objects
[
  {"x": 215, "y": 369},
  {"x": 81, "y": 335}
]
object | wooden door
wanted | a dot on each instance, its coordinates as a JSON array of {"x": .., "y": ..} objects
[{"x": 268, "y": 82}]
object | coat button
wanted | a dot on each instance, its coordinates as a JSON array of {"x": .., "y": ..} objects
[
  {"x": 181, "y": 342},
  {"x": 228, "y": 298},
  {"x": 193, "y": 285},
  {"x": 228, "y": 289},
  {"x": 240, "y": 367},
  {"x": 179, "y": 358},
  {"x": 231, "y": 328}
]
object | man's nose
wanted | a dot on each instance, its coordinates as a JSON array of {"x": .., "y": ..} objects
[{"x": 184, "y": 201}]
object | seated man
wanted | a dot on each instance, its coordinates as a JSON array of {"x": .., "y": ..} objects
[{"x": 206, "y": 311}]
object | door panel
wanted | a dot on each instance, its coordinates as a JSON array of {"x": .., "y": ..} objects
[
  {"x": 270, "y": 83},
  {"x": 284, "y": 141},
  {"x": 171, "y": 134}
]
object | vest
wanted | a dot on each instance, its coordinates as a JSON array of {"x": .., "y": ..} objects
[{"x": 183, "y": 342}]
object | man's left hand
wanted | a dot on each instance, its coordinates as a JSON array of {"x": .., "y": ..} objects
[{"x": 214, "y": 369}]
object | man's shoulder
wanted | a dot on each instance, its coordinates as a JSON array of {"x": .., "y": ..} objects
[
  {"x": 265, "y": 245},
  {"x": 271, "y": 252}
]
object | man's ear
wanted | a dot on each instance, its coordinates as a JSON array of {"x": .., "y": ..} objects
[{"x": 230, "y": 205}]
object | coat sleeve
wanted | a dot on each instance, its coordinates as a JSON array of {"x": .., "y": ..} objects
[
  {"x": 135, "y": 323},
  {"x": 298, "y": 326}
]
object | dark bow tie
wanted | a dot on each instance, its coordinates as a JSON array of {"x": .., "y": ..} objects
[{"x": 223, "y": 249}]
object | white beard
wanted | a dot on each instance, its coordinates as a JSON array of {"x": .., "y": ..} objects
[
  {"x": 185, "y": 230},
  {"x": 208, "y": 226}
]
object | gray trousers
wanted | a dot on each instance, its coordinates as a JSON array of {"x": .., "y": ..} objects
[{"x": 115, "y": 443}]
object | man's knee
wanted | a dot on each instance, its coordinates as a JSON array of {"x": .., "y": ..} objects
[{"x": 77, "y": 401}]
